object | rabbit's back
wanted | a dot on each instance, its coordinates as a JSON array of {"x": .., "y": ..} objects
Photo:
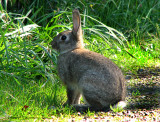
[{"x": 75, "y": 63}]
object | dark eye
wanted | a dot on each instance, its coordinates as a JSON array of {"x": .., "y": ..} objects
[{"x": 63, "y": 37}]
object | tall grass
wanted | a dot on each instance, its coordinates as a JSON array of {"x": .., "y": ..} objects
[
  {"x": 127, "y": 16},
  {"x": 28, "y": 75},
  {"x": 137, "y": 20}
]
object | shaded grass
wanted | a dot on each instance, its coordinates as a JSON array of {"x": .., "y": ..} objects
[{"x": 134, "y": 18}]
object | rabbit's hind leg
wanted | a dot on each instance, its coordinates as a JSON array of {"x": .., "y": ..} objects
[{"x": 95, "y": 93}]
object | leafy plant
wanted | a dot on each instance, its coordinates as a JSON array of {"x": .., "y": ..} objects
[
  {"x": 116, "y": 109},
  {"x": 136, "y": 93}
]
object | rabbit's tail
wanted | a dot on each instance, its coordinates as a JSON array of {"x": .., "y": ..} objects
[{"x": 120, "y": 104}]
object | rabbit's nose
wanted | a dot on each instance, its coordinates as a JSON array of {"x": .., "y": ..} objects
[{"x": 52, "y": 42}]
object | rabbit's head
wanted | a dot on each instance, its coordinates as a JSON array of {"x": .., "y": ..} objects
[{"x": 69, "y": 40}]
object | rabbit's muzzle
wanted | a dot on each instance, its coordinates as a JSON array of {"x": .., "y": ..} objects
[{"x": 54, "y": 44}]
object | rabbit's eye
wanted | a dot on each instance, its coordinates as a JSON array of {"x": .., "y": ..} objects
[{"x": 63, "y": 37}]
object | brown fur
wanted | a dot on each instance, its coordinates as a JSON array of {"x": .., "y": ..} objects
[{"x": 86, "y": 73}]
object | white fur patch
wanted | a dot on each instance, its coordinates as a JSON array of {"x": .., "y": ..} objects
[{"x": 121, "y": 104}]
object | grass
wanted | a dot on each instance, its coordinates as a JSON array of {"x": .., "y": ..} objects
[
  {"x": 29, "y": 84},
  {"x": 117, "y": 109}
]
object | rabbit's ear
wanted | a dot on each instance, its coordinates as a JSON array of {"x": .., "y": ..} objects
[{"x": 77, "y": 24}]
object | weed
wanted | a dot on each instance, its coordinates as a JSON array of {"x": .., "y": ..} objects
[
  {"x": 116, "y": 109},
  {"x": 136, "y": 93}
]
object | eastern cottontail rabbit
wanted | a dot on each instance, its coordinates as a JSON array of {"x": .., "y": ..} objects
[{"x": 86, "y": 73}]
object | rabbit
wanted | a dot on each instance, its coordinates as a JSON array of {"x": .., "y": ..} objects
[{"x": 87, "y": 73}]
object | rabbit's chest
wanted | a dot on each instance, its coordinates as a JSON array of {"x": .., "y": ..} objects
[{"x": 65, "y": 72}]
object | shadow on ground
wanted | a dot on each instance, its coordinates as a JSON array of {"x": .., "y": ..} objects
[{"x": 143, "y": 89}]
